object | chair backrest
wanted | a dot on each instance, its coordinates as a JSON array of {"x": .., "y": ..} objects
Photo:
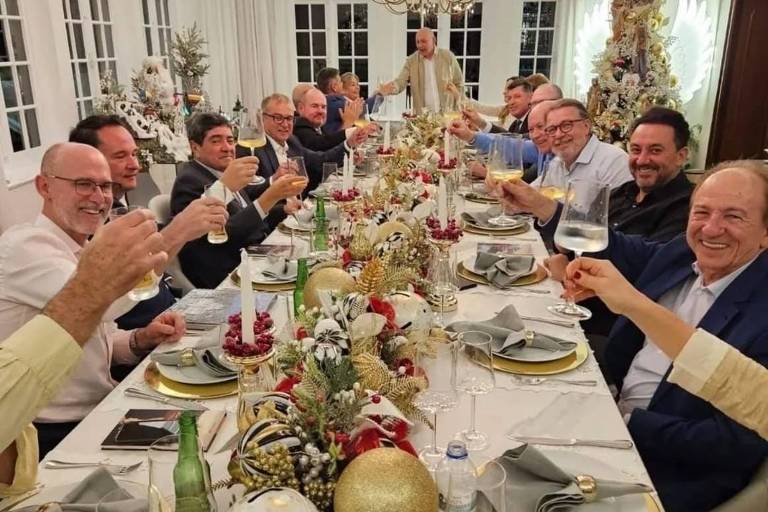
[
  {"x": 752, "y": 498},
  {"x": 160, "y": 205},
  {"x": 179, "y": 279},
  {"x": 163, "y": 175}
]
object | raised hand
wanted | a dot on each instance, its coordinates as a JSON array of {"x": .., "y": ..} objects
[{"x": 239, "y": 172}]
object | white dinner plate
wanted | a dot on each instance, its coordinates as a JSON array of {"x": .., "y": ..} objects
[
  {"x": 536, "y": 355},
  {"x": 469, "y": 265},
  {"x": 290, "y": 222},
  {"x": 192, "y": 374},
  {"x": 258, "y": 265}
]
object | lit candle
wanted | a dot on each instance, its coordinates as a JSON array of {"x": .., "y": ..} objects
[
  {"x": 447, "y": 149},
  {"x": 246, "y": 297},
  {"x": 442, "y": 204},
  {"x": 386, "y": 135}
]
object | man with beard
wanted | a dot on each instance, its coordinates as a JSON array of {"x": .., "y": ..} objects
[{"x": 37, "y": 260}]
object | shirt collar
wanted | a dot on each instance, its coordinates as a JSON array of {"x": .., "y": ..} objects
[
  {"x": 44, "y": 222},
  {"x": 276, "y": 146},
  {"x": 217, "y": 174},
  {"x": 724, "y": 282},
  {"x": 589, "y": 151}
]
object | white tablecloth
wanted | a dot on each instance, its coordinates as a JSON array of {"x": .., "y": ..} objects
[{"x": 497, "y": 412}]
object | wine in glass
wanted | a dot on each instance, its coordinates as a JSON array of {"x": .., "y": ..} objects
[
  {"x": 364, "y": 120},
  {"x": 149, "y": 286},
  {"x": 505, "y": 163},
  {"x": 474, "y": 376},
  {"x": 583, "y": 227},
  {"x": 547, "y": 187},
  {"x": 251, "y": 135}
]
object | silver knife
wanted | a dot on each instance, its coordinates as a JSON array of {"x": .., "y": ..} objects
[
  {"x": 621, "y": 444},
  {"x": 181, "y": 404}
]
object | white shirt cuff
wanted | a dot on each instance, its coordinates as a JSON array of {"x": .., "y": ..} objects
[
  {"x": 698, "y": 360},
  {"x": 346, "y": 146},
  {"x": 259, "y": 209}
]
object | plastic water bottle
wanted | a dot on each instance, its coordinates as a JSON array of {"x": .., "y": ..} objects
[{"x": 456, "y": 480}]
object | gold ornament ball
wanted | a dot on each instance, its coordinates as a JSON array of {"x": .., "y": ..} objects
[
  {"x": 330, "y": 278},
  {"x": 384, "y": 480}
]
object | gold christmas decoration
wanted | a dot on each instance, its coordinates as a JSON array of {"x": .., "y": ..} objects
[
  {"x": 332, "y": 279},
  {"x": 371, "y": 277},
  {"x": 654, "y": 24},
  {"x": 390, "y": 227},
  {"x": 657, "y": 48},
  {"x": 674, "y": 81},
  {"x": 384, "y": 480},
  {"x": 360, "y": 247}
]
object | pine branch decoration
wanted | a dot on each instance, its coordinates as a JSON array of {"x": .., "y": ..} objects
[
  {"x": 372, "y": 372},
  {"x": 371, "y": 277}
]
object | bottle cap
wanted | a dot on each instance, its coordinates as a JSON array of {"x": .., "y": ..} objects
[{"x": 457, "y": 450}]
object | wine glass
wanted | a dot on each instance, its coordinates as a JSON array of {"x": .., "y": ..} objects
[
  {"x": 149, "y": 286},
  {"x": 505, "y": 163},
  {"x": 440, "y": 396},
  {"x": 217, "y": 190},
  {"x": 442, "y": 276},
  {"x": 474, "y": 376},
  {"x": 364, "y": 120},
  {"x": 583, "y": 227},
  {"x": 251, "y": 135},
  {"x": 547, "y": 187}
]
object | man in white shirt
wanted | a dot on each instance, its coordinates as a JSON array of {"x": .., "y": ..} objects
[
  {"x": 428, "y": 70},
  {"x": 37, "y": 259}
]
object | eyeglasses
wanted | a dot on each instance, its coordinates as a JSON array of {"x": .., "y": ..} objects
[
  {"x": 86, "y": 187},
  {"x": 278, "y": 118},
  {"x": 564, "y": 127}
]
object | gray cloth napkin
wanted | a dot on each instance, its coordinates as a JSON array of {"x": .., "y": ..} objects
[
  {"x": 281, "y": 269},
  {"x": 535, "y": 483},
  {"x": 508, "y": 333},
  {"x": 205, "y": 360},
  {"x": 480, "y": 219},
  {"x": 502, "y": 271},
  {"x": 87, "y": 495}
]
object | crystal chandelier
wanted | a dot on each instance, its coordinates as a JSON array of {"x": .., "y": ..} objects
[{"x": 427, "y": 6}]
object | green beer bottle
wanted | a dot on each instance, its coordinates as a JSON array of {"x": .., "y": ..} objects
[
  {"x": 190, "y": 475},
  {"x": 320, "y": 241},
  {"x": 301, "y": 279}
]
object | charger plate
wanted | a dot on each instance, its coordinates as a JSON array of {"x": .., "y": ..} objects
[
  {"x": 470, "y": 228},
  {"x": 174, "y": 389},
  {"x": 264, "y": 287},
  {"x": 549, "y": 368},
  {"x": 537, "y": 276},
  {"x": 475, "y": 197}
]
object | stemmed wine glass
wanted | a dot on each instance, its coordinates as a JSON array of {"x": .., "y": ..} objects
[
  {"x": 474, "y": 376},
  {"x": 505, "y": 163},
  {"x": 251, "y": 135},
  {"x": 439, "y": 397},
  {"x": 547, "y": 187},
  {"x": 583, "y": 227}
]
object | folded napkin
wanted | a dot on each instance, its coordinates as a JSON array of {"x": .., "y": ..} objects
[
  {"x": 87, "y": 495},
  {"x": 281, "y": 269},
  {"x": 535, "y": 483},
  {"x": 480, "y": 219},
  {"x": 204, "y": 359},
  {"x": 501, "y": 271},
  {"x": 508, "y": 334}
]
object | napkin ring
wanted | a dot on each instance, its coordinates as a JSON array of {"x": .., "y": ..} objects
[
  {"x": 588, "y": 487},
  {"x": 187, "y": 358}
]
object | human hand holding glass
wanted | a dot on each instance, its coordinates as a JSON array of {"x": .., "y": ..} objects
[
  {"x": 505, "y": 163},
  {"x": 251, "y": 135},
  {"x": 148, "y": 286},
  {"x": 583, "y": 227}
]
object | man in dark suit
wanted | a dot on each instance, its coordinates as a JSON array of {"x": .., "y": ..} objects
[
  {"x": 715, "y": 277},
  {"x": 252, "y": 209},
  {"x": 518, "y": 95},
  {"x": 108, "y": 134},
  {"x": 277, "y": 112},
  {"x": 309, "y": 126}
]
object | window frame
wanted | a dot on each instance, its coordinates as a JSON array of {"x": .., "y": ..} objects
[
  {"x": 353, "y": 30},
  {"x": 536, "y": 57},
  {"x": 330, "y": 43},
  {"x": 156, "y": 33}
]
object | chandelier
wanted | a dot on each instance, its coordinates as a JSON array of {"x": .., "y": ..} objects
[{"x": 427, "y": 6}]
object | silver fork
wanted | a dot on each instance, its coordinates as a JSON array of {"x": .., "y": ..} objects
[{"x": 115, "y": 469}]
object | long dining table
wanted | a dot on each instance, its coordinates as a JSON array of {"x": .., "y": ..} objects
[{"x": 546, "y": 408}]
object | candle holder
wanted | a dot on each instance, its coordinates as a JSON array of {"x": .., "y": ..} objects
[
  {"x": 255, "y": 375},
  {"x": 442, "y": 278}
]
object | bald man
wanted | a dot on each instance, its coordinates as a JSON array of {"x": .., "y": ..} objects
[
  {"x": 428, "y": 70},
  {"x": 37, "y": 259}
]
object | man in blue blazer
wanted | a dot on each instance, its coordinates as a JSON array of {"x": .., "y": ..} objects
[{"x": 715, "y": 277}]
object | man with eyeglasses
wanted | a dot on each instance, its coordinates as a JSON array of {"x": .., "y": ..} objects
[
  {"x": 37, "y": 260},
  {"x": 309, "y": 126},
  {"x": 282, "y": 144},
  {"x": 254, "y": 210},
  {"x": 108, "y": 134}
]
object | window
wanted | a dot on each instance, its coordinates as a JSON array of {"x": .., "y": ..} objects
[
  {"x": 465, "y": 34},
  {"x": 311, "y": 50},
  {"x": 352, "y": 32},
  {"x": 18, "y": 100},
  {"x": 157, "y": 29},
  {"x": 91, "y": 49},
  {"x": 537, "y": 37}
]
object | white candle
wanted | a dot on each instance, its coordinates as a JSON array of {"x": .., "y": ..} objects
[
  {"x": 347, "y": 174},
  {"x": 246, "y": 298},
  {"x": 442, "y": 204},
  {"x": 386, "y": 135},
  {"x": 447, "y": 149}
]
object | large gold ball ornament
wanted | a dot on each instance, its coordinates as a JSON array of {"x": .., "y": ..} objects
[
  {"x": 390, "y": 227},
  {"x": 332, "y": 279},
  {"x": 385, "y": 480}
]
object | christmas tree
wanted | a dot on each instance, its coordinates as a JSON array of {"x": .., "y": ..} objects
[{"x": 633, "y": 72}]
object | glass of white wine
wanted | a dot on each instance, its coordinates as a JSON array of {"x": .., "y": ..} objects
[
  {"x": 505, "y": 163},
  {"x": 583, "y": 227},
  {"x": 548, "y": 187},
  {"x": 364, "y": 120},
  {"x": 149, "y": 286},
  {"x": 251, "y": 135}
]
